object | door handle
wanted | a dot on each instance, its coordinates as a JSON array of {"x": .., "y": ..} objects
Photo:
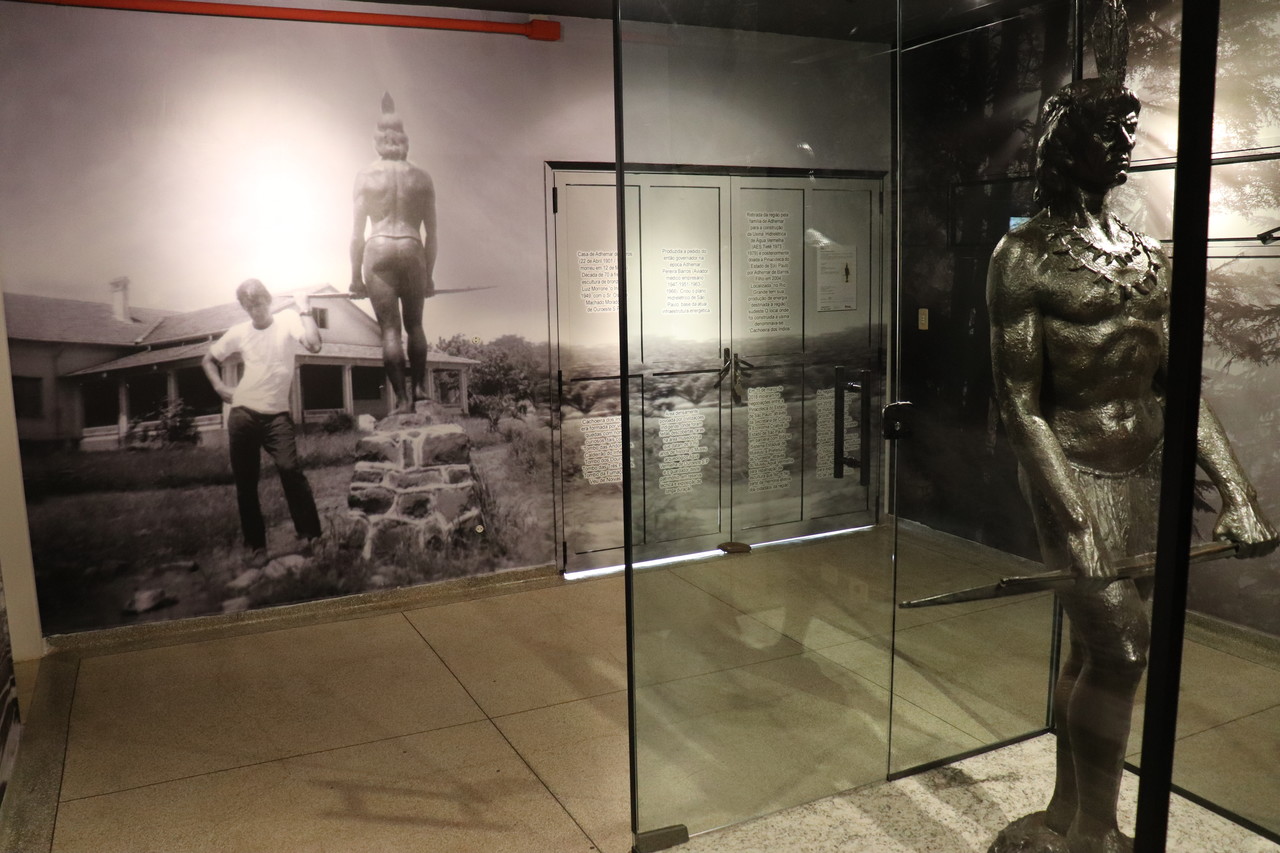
[
  {"x": 862, "y": 387},
  {"x": 725, "y": 368},
  {"x": 735, "y": 368}
]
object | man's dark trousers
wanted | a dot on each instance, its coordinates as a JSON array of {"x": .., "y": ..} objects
[{"x": 250, "y": 433}]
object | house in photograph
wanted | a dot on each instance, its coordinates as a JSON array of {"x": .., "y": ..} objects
[{"x": 85, "y": 372}]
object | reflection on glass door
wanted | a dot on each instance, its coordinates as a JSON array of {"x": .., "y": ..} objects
[{"x": 753, "y": 298}]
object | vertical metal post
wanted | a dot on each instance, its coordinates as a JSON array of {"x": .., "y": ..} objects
[
  {"x": 1077, "y": 39},
  {"x": 624, "y": 378},
  {"x": 1186, "y": 341}
]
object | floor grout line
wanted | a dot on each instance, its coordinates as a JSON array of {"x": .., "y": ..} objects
[
  {"x": 546, "y": 787},
  {"x": 265, "y": 761}
]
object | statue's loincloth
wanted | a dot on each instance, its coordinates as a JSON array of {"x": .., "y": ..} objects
[
  {"x": 1125, "y": 504},
  {"x": 399, "y": 260}
]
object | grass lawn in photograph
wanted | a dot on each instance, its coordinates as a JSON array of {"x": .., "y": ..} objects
[{"x": 108, "y": 525}]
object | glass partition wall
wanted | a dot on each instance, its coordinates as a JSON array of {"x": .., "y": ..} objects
[{"x": 812, "y": 201}]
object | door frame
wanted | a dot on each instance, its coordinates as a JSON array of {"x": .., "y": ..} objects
[{"x": 880, "y": 297}]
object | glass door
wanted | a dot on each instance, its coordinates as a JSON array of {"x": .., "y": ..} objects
[{"x": 760, "y": 678}]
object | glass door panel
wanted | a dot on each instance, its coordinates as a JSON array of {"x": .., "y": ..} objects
[
  {"x": 761, "y": 678},
  {"x": 971, "y": 675}
]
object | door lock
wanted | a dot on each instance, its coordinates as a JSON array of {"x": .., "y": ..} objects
[{"x": 899, "y": 419}]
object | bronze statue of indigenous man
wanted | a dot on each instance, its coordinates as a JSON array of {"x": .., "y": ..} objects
[
  {"x": 1079, "y": 305},
  {"x": 393, "y": 265}
]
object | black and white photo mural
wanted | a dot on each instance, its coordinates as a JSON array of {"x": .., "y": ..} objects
[{"x": 154, "y": 163}]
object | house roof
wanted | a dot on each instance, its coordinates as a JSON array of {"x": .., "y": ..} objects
[
  {"x": 213, "y": 321},
  {"x": 345, "y": 352},
  {"x": 45, "y": 318}
]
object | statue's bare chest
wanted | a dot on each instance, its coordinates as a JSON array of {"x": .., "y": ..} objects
[{"x": 1117, "y": 285}]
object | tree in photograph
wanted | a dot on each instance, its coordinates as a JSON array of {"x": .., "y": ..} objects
[
  {"x": 582, "y": 397},
  {"x": 498, "y": 389},
  {"x": 172, "y": 425}
]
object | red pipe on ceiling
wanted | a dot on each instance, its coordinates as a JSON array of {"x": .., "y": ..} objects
[{"x": 539, "y": 30}]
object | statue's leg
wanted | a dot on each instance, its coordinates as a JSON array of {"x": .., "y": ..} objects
[
  {"x": 1062, "y": 806},
  {"x": 1114, "y": 627},
  {"x": 412, "y": 296},
  {"x": 386, "y": 306}
]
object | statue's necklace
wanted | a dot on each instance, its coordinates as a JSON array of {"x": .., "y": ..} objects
[{"x": 1132, "y": 269}]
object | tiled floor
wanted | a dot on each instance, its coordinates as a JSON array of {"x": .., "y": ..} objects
[
  {"x": 498, "y": 721},
  {"x": 497, "y": 724}
]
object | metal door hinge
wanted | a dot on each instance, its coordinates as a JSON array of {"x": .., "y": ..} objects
[
  {"x": 898, "y": 419},
  {"x": 555, "y": 200},
  {"x": 660, "y": 839}
]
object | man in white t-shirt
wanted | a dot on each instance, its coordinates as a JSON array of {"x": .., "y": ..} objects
[{"x": 259, "y": 418}]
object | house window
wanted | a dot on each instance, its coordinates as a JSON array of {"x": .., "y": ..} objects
[
  {"x": 28, "y": 396},
  {"x": 321, "y": 386},
  {"x": 366, "y": 383},
  {"x": 194, "y": 390},
  {"x": 321, "y": 316},
  {"x": 101, "y": 399}
]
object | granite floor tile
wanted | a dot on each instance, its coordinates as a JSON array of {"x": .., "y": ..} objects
[
  {"x": 955, "y": 809},
  {"x": 683, "y": 631},
  {"x": 725, "y": 746},
  {"x": 1237, "y": 766},
  {"x": 532, "y": 649},
  {"x": 1216, "y": 688},
  {"x": 457, "y": 790},
  {"x": 160, "y": 714},
  {"x": 928, "y": 567},
  {"x": 985, "y": 673},
  {"x": 819, "y": 593},
  {"x": 579, "y": 751}
]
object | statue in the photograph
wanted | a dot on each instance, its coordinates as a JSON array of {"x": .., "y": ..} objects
[
  {"x": 393, "y": 265},
  {"x": 1079, "y": 306},
  {"x": 259, "y": 419}
]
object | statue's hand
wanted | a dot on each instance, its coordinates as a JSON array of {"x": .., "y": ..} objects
[
  {"x": 1244, "y": 524},
  {"x": 226, "y": 394},
  {"x": 357, "y": 290},
  {"x": 1089, "y": 557}
]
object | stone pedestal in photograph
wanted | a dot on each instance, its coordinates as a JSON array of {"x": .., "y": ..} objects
[{"x": 413, "y": 483}]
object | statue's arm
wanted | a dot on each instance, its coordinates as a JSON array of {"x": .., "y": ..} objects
[
  {"x": 1017, "y": 362},
  {"x": 430, "y": 240},
  {"x": 1241, "y": 520},
  {"x": 359, "y": 218}
]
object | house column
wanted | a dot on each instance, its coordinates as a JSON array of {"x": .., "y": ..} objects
[
  {"x": 462, "y": 389},
  {"x": 122, "y": 405},
  {"x": 431, "y": 385},
  {"x": 348, "y": 394},
  {"x": 170, "y": 386}
]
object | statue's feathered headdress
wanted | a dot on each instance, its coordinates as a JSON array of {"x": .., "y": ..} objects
[{"x": 1110, "y": 34}]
